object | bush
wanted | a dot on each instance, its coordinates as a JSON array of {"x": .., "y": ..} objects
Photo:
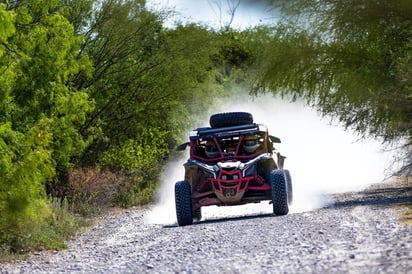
[
  {"x": 59, "y": 225},
  {"x": 25, "y": 163},
  {"x": 91, "y": 190},
  {"x": 133, "y": 193}
]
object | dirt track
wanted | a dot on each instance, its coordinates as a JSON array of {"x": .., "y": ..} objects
[{"x": 357, "y": 233}]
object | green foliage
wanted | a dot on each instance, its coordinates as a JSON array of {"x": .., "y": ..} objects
[
  {"x": 142, "y": 159},
  {"x": 69, "y": 115},
  {"x": 138, "y": 155},
  {"x": 7, "y": 23},
  {"x": 78, "y": 12},
  {"x": 59, "y": 225},
  {"x": 47, "y": 51},
  {"x": 39, "y": 59},
  {"x": 349, "y": 59},
  {"x": 7, "y": 73},
  {"x": 131, "y": 193},
  {"x": 25, "y": 166},
  {"x": 40, "y": 115},
  {"x": 145, "y": 77},
  {"x": 101, "y": 87}
]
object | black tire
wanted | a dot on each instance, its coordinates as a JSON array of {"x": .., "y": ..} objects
[
  {"x": 183, "y": 203},
  {"x": 289, "y": 186},
  {"x": 279, "y": 192},
  {"x": 230, "y": 119}
]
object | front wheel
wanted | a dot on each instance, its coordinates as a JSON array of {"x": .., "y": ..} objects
[
  {"x": 279, "y": 192},
  {"x": 183, "y": 203}
]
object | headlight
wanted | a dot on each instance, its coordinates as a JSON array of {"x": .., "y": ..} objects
[
  {"x": 208, "y": 174},
  {"x": 209, "y": 170},
  {"x": 250, "y": 170}
]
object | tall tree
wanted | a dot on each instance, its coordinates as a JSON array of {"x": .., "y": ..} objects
[
  {"x": 143, "y": 75},
  {"x": 39, "y": 112},
  {"x": 350, "y": 59}
]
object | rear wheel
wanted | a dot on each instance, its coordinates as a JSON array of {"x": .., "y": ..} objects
[
  {"x": 279, "y": 192},
  {"x": 289, "y": 186},
  {"x": 183, "y": 203}
]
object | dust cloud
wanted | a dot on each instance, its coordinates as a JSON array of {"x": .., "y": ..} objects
[{"x": 322, "y": 159}]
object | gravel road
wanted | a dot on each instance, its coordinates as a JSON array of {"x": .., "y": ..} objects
[{"x": 359, "y": 232}]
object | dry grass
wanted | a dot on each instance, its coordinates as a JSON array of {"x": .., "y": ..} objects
[
  {"x": 93, "y": 190},
  {"x": 406, "y": 216}
]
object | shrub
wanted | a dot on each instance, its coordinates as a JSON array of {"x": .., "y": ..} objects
[{"x": 92, "y": 190}]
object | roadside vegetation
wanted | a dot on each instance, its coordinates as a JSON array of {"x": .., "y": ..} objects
[
  {"x": 95, "y": 95},
  {"x": 351, "y": 60}
]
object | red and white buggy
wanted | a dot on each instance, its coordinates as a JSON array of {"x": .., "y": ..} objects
[{"x": 232, "y": 162}]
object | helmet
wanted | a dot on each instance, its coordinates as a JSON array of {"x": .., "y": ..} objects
[
  {"x": 250, "y": 143},
  {"x": 211, "y": 149}
]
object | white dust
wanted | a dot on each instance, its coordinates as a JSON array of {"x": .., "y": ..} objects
[{"x": 322, "y": 159}]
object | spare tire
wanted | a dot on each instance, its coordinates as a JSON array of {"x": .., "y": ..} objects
[{"x": 230, "y": 119}]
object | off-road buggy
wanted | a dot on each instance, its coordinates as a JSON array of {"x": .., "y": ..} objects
[{"x": 232, "y": 162}]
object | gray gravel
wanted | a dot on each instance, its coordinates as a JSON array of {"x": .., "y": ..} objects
[{"x": 357, "y": 233}]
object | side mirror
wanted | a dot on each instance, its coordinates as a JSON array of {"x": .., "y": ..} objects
[
  {"x": 274, "y": 139},
  {"x": 182, "y": 146}
]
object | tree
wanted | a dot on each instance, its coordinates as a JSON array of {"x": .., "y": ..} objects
[
  {"x": 145, "y": 78},
  {"x": 39, "y": 112},
  {"x": 350, "y": 59},
  {"x": 148, "y": 84},
  {"x": 43, "y": 53},
  {"x": 232, "y": 6}
]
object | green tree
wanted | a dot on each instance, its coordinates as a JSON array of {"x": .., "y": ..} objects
[
  {"x": 146, "y": 78},
  {"x": 39, "y": 112},
  {"x": 44, "y": 54},
  {"x": 350, "y": 59},
  {"x": 7, "y": 72},
  {"x": 148, "y": 84}
]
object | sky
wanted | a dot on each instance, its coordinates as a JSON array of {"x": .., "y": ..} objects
[{"x": 248, "y": 13}]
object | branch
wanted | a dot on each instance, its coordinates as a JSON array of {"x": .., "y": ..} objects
[{"x": 232, "y": 10}]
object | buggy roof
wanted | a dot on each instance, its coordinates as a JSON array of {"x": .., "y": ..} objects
[{"x": 208, "y": 132}]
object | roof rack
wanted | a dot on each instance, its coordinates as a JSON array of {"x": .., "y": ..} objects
[{"x": 204, "y": 133}]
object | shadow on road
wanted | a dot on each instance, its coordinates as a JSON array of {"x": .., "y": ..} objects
[
  {"x": 238, "y": 218},
  {"x": 397, "y": 195},
  {"x": 226, "y": 219},
  {"x": 385, "y": 196}
]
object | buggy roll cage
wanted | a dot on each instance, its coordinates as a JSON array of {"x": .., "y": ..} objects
[{"x": 228, "y": 141}]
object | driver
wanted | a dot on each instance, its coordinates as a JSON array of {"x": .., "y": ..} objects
[
  {"x": 211, "y": 149},
  {"x": 250, "y": 143}
]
